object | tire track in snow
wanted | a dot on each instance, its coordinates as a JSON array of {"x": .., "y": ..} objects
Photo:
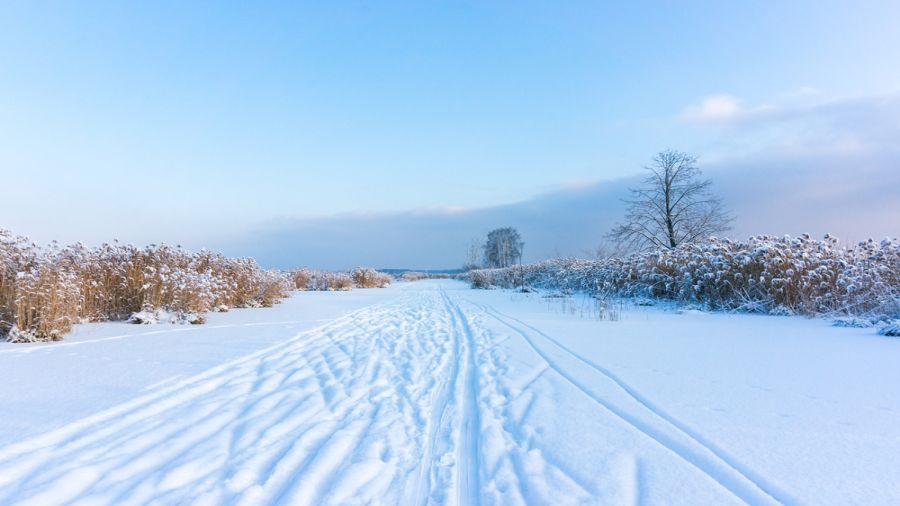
[{"x": 668, "y": 434}]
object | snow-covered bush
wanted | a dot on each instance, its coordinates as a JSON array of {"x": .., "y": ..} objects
[
  {"x": 148, "y": 317},
  {"x": 765, "y": 274},
  {"x": 272, "y": 286},
  {"x": 43, "y": 291},
  {"x": 322, "y": 280},
  {"x": 892, "y": 330},
  {"x": 154, "y": 316},
  {"x": 367, "y": 277},
  {"x": 302, "y": 278},
  {"x": 853, "y": 322},
  {"x": 412, "y": 276},
  {"x": 418, "y": 276},
  {"x": 339, "y": 281},
  {"x": 488, "y": 278},
  {"x": 41, "y": 299}
]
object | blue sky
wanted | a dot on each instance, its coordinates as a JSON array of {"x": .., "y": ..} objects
[{"x": 205, "y": 122}]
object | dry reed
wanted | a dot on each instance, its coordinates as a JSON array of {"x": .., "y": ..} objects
[
  {"x": 780, "y": 275},
  {"x": 44, "y": 291}
]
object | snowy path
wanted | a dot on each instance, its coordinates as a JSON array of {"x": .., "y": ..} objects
[{"x": 433, "y": 398}]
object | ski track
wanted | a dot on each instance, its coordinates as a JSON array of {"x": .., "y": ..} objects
[
  {"x": 404, "y": 402},
  {"x": 645, "y": 417},
  {"x": 39, "y": 347}
]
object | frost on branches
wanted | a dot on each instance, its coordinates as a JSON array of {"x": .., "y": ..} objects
[{"x": 781, "y": 275}]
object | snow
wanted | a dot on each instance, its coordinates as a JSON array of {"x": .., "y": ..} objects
[
  {"x": 98, "y": 365},
  {"x": 429, "y": 392}
]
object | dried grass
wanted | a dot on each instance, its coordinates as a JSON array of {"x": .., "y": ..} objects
[
  {"x": 780, "y": 275},
  {"x": 44, "y": 291},
  {"x": 366, "y": 277},
  {"x": 322, "y": 280}
]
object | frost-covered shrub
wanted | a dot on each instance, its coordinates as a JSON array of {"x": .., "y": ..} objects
[
  {"x": 151, "y": 317},
  {"x": 302, "y": 278},
  {"x": 483, "y": 278},
  {"x": 765, "y": 273},
  {"x": 319, "y": 280},
  {"x": 322, "y": 280},
  {"x": 15, "y": 335},
  {"x": 43, "y": 291},
  {"x": 367, "y": 277},
  {"x": 412, "y": 276},
  {"x": 16, "y": 255},
  {"x": 852, "y": 322},
  {"x": 41, "y": 297},
  {"x": 418, "y": 276},
  {"x": 781, "y": 311},
  {"x": 148, "y": 317},
  {"x": 339, "y": 281},
  {"x": 892, "y": 330}
]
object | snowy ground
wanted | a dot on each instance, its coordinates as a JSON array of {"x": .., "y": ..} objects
[{"x": 433, "y": 393}]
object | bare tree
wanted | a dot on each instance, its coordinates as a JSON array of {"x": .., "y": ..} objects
[
  {"x": 473, "y": 252},
  {"x": 672, "y": 206},
  {"x": 503, "y": 247}
]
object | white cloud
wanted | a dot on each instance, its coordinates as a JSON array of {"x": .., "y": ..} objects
[
  {"x": 724, "y": 108},
  {"x": 867, "y": 124},
  {"x": 720, "y": 107}
]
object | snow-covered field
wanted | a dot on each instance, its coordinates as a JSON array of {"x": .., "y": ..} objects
[{"x": 429, "y": 392}]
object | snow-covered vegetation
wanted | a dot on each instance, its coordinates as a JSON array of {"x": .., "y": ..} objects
[
  {"x": 411, "y": 276},
  {"x": 780, "y": 275},
  {"x": 321, "y": 280},
  {"x": 366, "y": 277},
  {"x": 44, "y": 291}
]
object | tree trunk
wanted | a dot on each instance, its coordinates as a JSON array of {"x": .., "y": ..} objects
[{"x": 670, "y": 226}]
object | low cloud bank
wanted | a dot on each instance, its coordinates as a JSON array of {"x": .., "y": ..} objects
[{"x": 851, "y": 195}]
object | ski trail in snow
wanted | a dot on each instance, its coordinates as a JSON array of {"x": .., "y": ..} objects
[
  {"x": 333, "y": 414},
  {"x": 167, "y": 328},
  {"x": 469, "y": 487},
  {"x": 760, "y": 482},
  {"x": 506, "y": 465},
  {"x": 404, "y": 402},
  {"x": 439, "y": 442},
  {"x": 664, "y": 429}
]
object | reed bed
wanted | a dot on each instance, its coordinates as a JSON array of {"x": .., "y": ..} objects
[
  {"x": 44, "y": 291},
  {"x": 366, "y": 277},
  {"x": 322, "y": 280},
  {"x": 418, "y": 276},
  {"x": 781, "y": 275}
]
